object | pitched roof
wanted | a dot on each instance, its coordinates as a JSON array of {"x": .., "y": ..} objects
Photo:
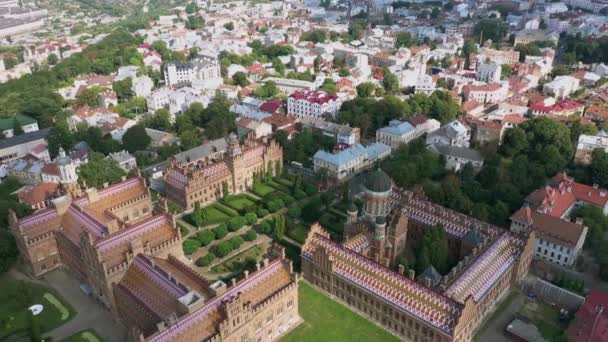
[
  {"x": 549, "y": 227},
  {"x": 38, "y": 193},
  {"x": 24, "y": 138}
]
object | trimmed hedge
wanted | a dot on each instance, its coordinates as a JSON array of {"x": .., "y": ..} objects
[
  {"x": 205, "y": 260},
  {"x": 236, "y": 223},
  {"x": 190, "y": 246},
  {"x": 251, "y": 235},
  {"x": 225, "y": 209},
  {"x": 205, "y": 237},
  {"x": 251, "y": 218}
]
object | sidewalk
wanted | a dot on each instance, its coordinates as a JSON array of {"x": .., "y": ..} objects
[{"x": 89, "y": 313}]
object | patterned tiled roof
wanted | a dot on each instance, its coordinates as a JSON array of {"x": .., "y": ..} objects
[
  {"x": 486, "y": 270},
  {"x": 432, "y": 307}
]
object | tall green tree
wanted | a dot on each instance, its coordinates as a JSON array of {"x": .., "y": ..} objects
[
  {"x": 99, "y": 170},
  {"x": 136, "y": 139}
]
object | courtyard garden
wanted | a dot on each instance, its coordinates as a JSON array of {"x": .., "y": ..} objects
[
  {"x": 210, "y": 215},
  {"x": 17, "y": 322},
  {"x": 241, "y": 261},
  {"x": 327, "y": 320},
  {"x": 547, "y": 319}
]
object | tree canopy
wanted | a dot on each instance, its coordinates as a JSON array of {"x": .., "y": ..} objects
[{"x": 100, "y": 170}]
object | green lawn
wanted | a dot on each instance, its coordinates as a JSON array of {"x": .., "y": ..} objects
[
  {"x": 239, "y": 202},
  {"x": 16, "y": 297},
  {"x": 326, "y": 320},
  {"x": 262, "y": 189},
  {"x": 208, "y": 216},
  {"x": 84, "y": 336}
]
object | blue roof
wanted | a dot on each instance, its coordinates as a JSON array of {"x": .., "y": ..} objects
[
  {"x": 371, "y": 152},
  {"x": 376, "y": 149},
  {"x": 398, "y": 128},
  {"x": 343, "y": 156}
]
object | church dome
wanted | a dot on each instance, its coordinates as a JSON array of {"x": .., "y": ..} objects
[{"x": 378, "y": 181}]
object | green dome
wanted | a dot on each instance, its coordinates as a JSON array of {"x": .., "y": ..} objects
[
  {"x": 378, "y": 181},
  {"x": 352, "y": 208},
  {"x": 380, "y": 220}
]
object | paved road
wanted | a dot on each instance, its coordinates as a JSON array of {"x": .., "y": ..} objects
[
  {"x": 91, "y": 315},
  {"x": 494, "y": 328}
]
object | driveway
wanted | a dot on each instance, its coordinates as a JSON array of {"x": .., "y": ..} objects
[
  {"x": 494, "y": 327},
  {"x": 90, "y": 314}
]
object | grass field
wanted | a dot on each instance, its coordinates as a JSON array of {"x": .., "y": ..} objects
[
  {"x": 84, "y": 336},
  {"x": 326, "y": 320},
  {"x": 208, "y": 216},
  {"x": 262, "y": 189},
  {"x": 16, "y": 297},
  {"x": 239, "y": 202}
]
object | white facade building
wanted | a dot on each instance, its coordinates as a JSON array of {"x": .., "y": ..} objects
[
  {"x": 307, "y": 103},
  {"x": 489, "y": 73},
  {"x": 562, "y": 86}
]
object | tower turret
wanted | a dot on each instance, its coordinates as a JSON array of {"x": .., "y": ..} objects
[{"x": 352, "y": 212}]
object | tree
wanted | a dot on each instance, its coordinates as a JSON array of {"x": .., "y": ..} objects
[
  {"x": 123, "y": 89},
  {"x": 240, "y": 79},
  {"x": 404, "y": 39},
  {"x": 329, "y": 86},
  {"x": 278, "y": 66},
  {"x": 343, "y": 72},
  {"x": 88, "y": 96},
  {"x": 236, "y": 223},
  {"x": 442, "y": 83},
  {"x": 315, "y": 36},
  {"x": 222, "y": 249},
  {"x": 433, "y": 250},
  {"x": 236, "y": 242},
  {"x": 205, "y": 237},
  {"x": 506, "y": 71},
  {"x": 491, "y": 28},
  {"x": 195, "y": 22},
  {"x": 220, "y": 231},
  {"x": 190, "y": 246},
  {"x": 52, "y": 59},
  {"x": 294, "y": 211},
  {"x": 390, "y": 82},
  {"x": 229, "y": 26},
  {"x": 60, "y": 136},
  {"x": 192, "y": 8},
  {"x": 160, "y": 120},
  {"x": 99, "y": 170},
  {"x": 205, "y": 260},
  {"x": 266, "y": 91},
  {"x": 366, "y": 89},
  {"x": 136, "y": 139},
  {"x": 17, "y": 129},
  {"x": 190, "y": 138},
  {"x": 251, "y": 218},
  {"x": 251, "y": 235}
]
